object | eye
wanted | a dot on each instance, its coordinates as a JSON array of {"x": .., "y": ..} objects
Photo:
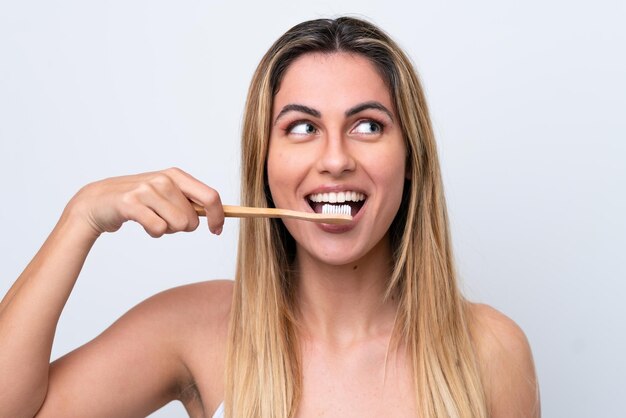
[
  {"x": 301, "y": 128},
  {"x": 368, "y": 127}
]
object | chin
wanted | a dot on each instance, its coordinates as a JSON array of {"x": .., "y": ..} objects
[
  {"x": 334, "y": 252},
  {"x": 337, "y": 260}
]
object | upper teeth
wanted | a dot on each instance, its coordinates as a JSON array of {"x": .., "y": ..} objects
[{"x": 337, "y": 197}]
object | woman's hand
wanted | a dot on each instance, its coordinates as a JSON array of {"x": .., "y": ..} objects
[{"x": 160, "y": 201}]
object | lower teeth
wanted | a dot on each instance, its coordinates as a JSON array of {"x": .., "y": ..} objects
[{"x": 336, "y": 209}]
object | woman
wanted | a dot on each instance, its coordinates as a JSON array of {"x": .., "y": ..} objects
[{"x": 358, "y": 320}]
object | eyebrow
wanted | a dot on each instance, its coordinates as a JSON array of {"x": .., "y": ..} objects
[
  {"x": 368, "y": 105},
  {"x": 298, "y": 108},
  {"x": 350, "y": 112}
]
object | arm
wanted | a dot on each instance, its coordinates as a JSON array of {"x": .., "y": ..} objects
[
  {"x": 506, "y": 364},
  {"x": 147, "y": 358},
  {"x": 30, "y": 311}
]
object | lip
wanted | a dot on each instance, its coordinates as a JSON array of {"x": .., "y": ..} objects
[{"x": 336, "y": 228}]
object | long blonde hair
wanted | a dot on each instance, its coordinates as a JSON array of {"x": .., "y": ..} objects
[{"x": 263, "y": 371}]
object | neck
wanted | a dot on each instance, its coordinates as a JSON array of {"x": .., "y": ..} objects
[{"x": 345, "y": 304}]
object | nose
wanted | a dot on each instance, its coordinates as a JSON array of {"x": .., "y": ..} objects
[{"x": 336, "y": 158}]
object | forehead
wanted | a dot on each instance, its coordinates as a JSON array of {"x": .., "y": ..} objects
[{"x": 336, "y": 79}]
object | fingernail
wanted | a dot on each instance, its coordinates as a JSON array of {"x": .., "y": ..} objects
[{"x": 218, "y": 231}]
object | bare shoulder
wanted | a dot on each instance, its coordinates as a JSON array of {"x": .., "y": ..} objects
[
  {"x": 151, "y": 355},
  {"x": 493, "y": 330},
  {"x": 198, "y": 316},
  {"x": 203, "y": 302},
  {"x": 201, "y": 316},
  {"x": 192, "y": 310},
  {"x": 506, "y": 363}
]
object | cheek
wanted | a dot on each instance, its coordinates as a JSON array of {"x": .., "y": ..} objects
[
  {"x": 282, "y": 172},
  {"x": 390, "y": 171},
  {"x": 390, "y": 176},
  {"x": 394, "y": 186}
]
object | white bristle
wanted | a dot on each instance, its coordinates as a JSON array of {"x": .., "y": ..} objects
[{"x": 329, "y": 209}]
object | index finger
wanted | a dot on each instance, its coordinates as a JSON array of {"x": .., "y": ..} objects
[{"x": 201, "y": 194}]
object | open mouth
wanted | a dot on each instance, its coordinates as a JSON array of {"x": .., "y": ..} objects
[{"x": 337, "y": 202}]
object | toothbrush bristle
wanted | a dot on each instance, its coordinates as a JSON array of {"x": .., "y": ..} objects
[{"x": 329, "y": 209}]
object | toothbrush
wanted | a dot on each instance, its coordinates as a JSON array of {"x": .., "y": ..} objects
[{"x": 339, "y": 217}]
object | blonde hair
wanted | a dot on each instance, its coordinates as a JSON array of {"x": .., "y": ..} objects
[{"x": 263, "y": 371}]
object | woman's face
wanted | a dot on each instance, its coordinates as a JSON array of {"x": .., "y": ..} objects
[{"x": 335, "y": 136}]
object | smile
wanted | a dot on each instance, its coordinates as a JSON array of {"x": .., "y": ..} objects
[{"x": 337, "y": 202}]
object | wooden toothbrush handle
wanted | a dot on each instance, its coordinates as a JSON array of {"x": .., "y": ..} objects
[{"x": 248, "y": 212}]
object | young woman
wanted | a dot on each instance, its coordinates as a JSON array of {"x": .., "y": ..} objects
[{"x": 358, "y": 320}]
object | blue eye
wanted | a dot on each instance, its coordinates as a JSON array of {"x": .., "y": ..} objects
[
  {"x": 302, "y": 128},
  {"x": 368, "y": 127}
]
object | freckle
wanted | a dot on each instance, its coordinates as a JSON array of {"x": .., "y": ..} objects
[{"x": 355, "y": 267}]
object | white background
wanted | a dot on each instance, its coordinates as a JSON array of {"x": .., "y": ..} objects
[{"x": 528, "y": 101}]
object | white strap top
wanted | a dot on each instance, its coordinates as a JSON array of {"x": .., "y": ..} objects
[{"x": 219, "y": 412}]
